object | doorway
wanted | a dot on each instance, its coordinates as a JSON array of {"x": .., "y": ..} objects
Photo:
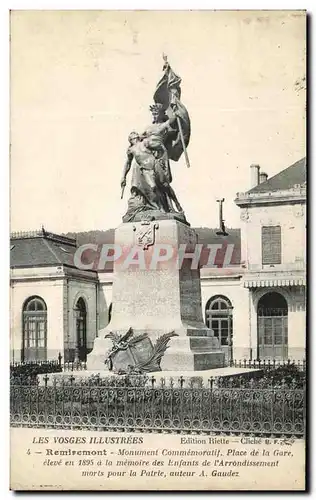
[
  {"x": 272, "y": 326},
  {"x": 81, "y": 330}
]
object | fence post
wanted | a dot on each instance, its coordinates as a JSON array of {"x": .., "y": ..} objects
[{"x": 46, "y": 379}]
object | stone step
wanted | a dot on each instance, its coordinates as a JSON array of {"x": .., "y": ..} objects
[
  {"x": 177, "y": 360},
  {"x": 203, "y": 344}
]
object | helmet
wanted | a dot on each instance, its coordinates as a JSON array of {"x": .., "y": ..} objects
[{"x": 133, "y": 135}]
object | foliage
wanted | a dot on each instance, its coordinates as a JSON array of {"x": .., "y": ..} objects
[
  {"x": 98, "y": 381},
  {"x": 286, "y": 376},
  {"x": 27, "y": 373},
  {"x": 270, "y": 403}
]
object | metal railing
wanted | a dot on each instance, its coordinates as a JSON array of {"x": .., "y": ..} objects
[
  {"x": 138, "y": 403},
  {"x": 268, "y": 364},
  {"x": 58, "y": 364},
  {"x": 74, "y": 366},
  {"x": 52, "y": 362},
  {"x": 241, "y": 363}
]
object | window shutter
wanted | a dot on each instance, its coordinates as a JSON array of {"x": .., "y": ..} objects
[{"x": 271, "y": 244}]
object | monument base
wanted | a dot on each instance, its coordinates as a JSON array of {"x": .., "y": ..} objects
[
  {"x": 182, "y": 353},
  {"x": 157, "y": 296}
]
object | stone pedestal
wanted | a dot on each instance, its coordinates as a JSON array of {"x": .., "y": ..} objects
[{"x": 154, "y": 292}]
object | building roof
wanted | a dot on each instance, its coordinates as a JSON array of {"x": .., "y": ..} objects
[
  {"x": 287, "y": 179},
  {"x": 41, "y": 248}
]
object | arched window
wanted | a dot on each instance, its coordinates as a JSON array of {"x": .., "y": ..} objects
[
  {"x": 272, "y": 326},
  {"x": 34, "y": 340},
  {"x": 219, "y": 318},
  {"x": 81, "y": 330}
]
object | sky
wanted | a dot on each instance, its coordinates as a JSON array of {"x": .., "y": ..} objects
[{"x": 81, "y": 81}]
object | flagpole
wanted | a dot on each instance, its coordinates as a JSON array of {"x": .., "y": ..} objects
[{"x": 183, "y": 143}]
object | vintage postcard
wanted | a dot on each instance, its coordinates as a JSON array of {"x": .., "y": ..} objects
[{"x": 158, "y": 250}]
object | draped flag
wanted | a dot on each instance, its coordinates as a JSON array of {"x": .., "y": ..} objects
[{"x": 168, "y": 94}]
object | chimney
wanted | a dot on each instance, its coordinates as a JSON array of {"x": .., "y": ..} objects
[
  {"x": 222, "y": 228},
  {"x": 254, "y": 176},
  {"x": 263, "y": 177}
]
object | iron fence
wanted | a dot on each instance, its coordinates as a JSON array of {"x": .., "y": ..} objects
[
  {"x": 147, "y": 405},
  {"x": 50, "y": 363},
  {"x": 268, "y": 364},
  {"x": 74, "y": 366},
  {"x": 241, "y": 363}
]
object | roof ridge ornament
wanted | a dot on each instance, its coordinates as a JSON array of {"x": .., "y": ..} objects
[{"x": 42, "y": 233}]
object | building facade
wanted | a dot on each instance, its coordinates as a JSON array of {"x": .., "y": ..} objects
[
  {"x": 253, "y": 296},
  {"x": 273, "y": 232},
  {"x": 53, "y": 304}
]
